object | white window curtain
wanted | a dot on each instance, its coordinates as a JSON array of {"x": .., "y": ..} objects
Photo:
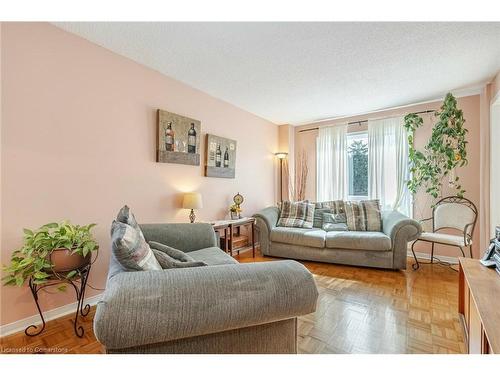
[
  {"x": 331, "y": 182},
  {"x": 388, "y": 164}
]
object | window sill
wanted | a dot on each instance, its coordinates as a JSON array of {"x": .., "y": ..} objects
[{"x": 357, "y": 197}]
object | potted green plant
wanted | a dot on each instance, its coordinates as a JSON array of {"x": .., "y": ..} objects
[
  {"x": 53, "y": 250},
  {"x": 235, "y": 211},
  {"x": 444, "y": 152}
]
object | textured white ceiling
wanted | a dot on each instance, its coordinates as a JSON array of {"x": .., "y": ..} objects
[{"x": 302, "y": 72}]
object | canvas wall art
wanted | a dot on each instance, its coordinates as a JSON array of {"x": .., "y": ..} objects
[
  {"x": 220, "y": 157},
  {"x": 178, "y": 139}
]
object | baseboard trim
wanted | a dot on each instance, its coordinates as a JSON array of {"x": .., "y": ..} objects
[
  {"x": 20, "y": 325},
  {"x": 426, "y": 256}
]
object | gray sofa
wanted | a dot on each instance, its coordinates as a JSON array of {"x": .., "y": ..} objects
[
  {"x": 225, "y": 307},
  {"x": 386, "y": 249}
]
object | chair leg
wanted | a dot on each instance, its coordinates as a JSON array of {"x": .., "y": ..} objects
[
  {"x": 470, "y": 251},
  {"x": 462, "y": 250},
  {"x": 432, "y": 253},
  {"x": 415, "y": 265}
]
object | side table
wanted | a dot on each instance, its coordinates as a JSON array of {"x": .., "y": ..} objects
[
  {"x": 227, "y": 228},
  {"x": 223, "y": 229}
]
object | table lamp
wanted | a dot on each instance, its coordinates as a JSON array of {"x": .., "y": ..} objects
[{"x": 192, "y": 201}]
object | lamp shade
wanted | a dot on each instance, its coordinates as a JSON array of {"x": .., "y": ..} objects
[
  {"x": 281, "y": 155},
  {"x": 192, "y": 201}
]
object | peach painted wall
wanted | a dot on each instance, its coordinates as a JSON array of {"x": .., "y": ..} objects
[
  {"x": 78, "y": 142},
  {"x": 469, "y": 175}
]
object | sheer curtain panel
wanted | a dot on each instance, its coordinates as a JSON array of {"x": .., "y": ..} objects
[
  {"x": 331, "y": 160},
  {"x": 388, "y": 164}
]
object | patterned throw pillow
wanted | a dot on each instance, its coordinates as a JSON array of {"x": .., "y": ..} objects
[
  {"x": 296, "y": 214},
  {"x": 318, "y": 216},
  {"x": 168, "y": 257},
  {"x": 126, "y": 216},
  {"x": 129, "y": 245},
  {"x": 334, "y": 218},
  {"x": 334, "y": 222},
  {"x": 336, "y": 207},
  {"x": 338, "y": 227},
  {"x": 364, "y": 215}
]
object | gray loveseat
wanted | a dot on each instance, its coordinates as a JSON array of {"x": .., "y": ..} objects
[
  {"x": 225, "y": 307},
  {"x": 386, "y": 249}
]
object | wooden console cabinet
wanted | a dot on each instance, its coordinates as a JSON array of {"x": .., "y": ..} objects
[{"x": 479, "y": 306}]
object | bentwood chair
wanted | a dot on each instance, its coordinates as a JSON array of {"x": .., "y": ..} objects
[{"x": 450, "y": 213}]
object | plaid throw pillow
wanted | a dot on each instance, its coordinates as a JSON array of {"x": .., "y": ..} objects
[
  {"x": 318, "y": 216},
  {"x": 364, "y": 215},
  {"x": 296, "y": 214},
  {"x": 129, "y": 245},
  {"x": 131, "y": 249},
  {"x": 337, "y": 207}
]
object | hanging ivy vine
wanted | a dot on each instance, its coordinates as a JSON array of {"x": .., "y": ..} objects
[{"x": 445, "y": 150}]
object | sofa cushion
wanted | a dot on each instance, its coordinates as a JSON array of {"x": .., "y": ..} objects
[
  {"x": 296, "y": 214},
  {"x": 212, "y": 256},
  {"x": 364, "y": 215},
  {"x": 299, "y": 236},
  {"x": 358, "y": 241}
]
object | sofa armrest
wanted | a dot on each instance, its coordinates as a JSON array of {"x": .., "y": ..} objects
[
  {"x": 269, "y": 216},
  {"x": 265, "y": 221},
  {"x": 182, "y": 236},
  {"x": 401, "y": 229},
  {"x": 147, "y": 307}
]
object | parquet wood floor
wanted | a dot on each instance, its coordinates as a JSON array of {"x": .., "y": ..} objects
[{"x": 360, "y": 310}]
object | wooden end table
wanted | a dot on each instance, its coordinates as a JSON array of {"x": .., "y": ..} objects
[{"x": 228, "y": 227}]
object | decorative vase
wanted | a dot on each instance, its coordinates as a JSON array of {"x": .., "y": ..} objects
[
  {"x": 234, "y": 215},
  {"x": 64, "y": 261}
]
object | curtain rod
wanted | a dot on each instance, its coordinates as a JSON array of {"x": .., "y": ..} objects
[{"x": 363, "y": 121}]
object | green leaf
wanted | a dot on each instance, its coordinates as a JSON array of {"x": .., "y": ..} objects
[
  {"x": 19, "y": 280},
  {"x": 25, "y": 262},
  {"x": 40, "y": 275},
  {"x": 71, "y": 274},
  {"x": 8, "y": 278},
  {"x": 11, "y": 282}
]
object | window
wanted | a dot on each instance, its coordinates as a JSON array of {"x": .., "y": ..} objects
[{"x": 357, "y": 165}]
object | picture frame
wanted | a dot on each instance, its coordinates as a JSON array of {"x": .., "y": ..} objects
[
  {"x": 220, "y": 157},
  {"x": 178, "y": 139}
]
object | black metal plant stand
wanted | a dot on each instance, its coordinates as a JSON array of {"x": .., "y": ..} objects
[{"x": 78, "y": 284}]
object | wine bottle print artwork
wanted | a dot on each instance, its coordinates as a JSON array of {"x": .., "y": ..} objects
[
  {"x": 220, "y": 157},
  {"x": 192, "y": 140},
  {"x": 169, "y": 137},
  {"x": 178, "y": 139}
]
